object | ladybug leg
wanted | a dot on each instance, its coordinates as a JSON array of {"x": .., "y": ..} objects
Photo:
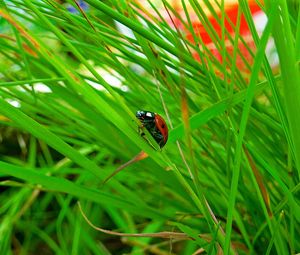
[{"x": 140, "y": 130}]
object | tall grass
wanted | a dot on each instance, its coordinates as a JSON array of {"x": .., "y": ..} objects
[{"x": 228, "y": 178}]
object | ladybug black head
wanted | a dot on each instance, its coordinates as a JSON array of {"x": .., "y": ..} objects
[{"x": 142, "y": 115}]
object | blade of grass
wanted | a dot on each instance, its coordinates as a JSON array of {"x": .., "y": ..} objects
[
  {"x": 242, "y": 128},
  {"x": 44, "y": 134},
  {"x": 290, "y": 75},
  {"x": 62, "y": 185},
  {"x": 218, "y": 108}
]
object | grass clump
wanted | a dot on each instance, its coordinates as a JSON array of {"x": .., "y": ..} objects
[{"x": 73, "y": 75}]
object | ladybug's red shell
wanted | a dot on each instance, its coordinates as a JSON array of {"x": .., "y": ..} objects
[
  {"x": 155, "y": 124},
  {"x": 162, "y": 127}
]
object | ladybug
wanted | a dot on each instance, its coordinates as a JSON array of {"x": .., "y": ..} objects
[{"x": 155, "y": 124}]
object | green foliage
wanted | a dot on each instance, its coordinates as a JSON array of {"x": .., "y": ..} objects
[{"x": 227, "y": 179}]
